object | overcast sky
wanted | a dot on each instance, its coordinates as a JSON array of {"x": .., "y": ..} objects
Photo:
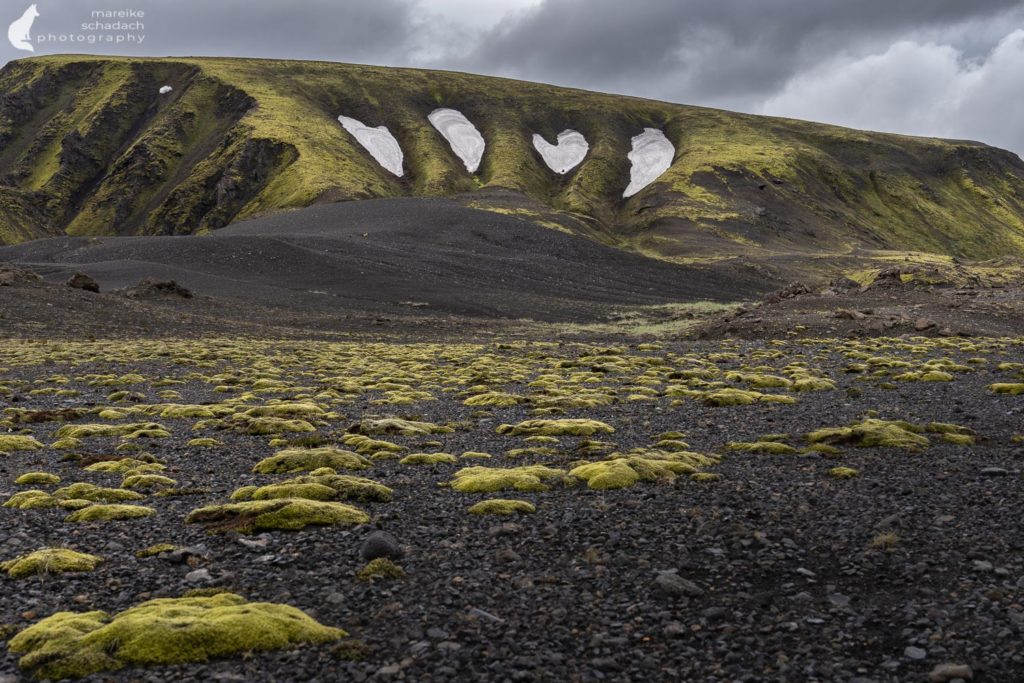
[{"x": 951, "y": 68}]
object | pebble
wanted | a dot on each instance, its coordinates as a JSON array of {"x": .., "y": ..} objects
[
  {"x": 912, "y": 652},
  {"x": 944, "y": 673},
  {"x": 670, "y": 583},
  {"x": 994, "y": 472},
  {"x": 199, "y": 576}
]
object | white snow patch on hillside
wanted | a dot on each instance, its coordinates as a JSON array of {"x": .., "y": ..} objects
[
  {"x": 569, "y": 150},
  {"x": 166, "y": 89},
  {"x": 379, "y": 142},
  {"x": 651, "y": 156},
  {"x": 464, "y": 138}
]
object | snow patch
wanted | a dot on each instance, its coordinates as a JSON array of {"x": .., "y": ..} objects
[
  {"x": 166, "y": 89},
  {"x": 566, "y": 154},
  {"x": 379, "y": 142},
  {"x": 651, "y": 156},
  {"x": 464, "y": 138}
]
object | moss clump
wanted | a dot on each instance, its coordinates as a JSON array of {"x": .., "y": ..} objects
[
  {"x": 130, "y": 430},
  {"x": 124, "y": 465},
  {"x": 767, "y": 447},
  {"x": 497, "y": 399},
  {"x": 476, "y": 455},
  {"x": 611, "y": 474},
  {"x": 31, "y": 500},
  {"x": 37, "y": 479},
  {"x": 740, "y": 397},
  {"x": 286, "y": 410},
  {"x": 307, "y": 459},
  {"x": 394, "y": 425},
  {"x": 843, "y": 473},
  {"x": 568, "y": 427},
  {"x": 155, "y": 550},
  {"x": 380, "y": 568},
  {"x": 812, "y": 384},
  {"x": 50, "y": 561},
  {"x": 492, "y": 480},
  {"x": 162, "y": 632},
  {"x": 108, "y": 513},
  {"x": 9, "y": 443},
  {"x": 999, "y": 388},
  {"x": 308, "y": 491},
  {"x": 364, "y": 445},
  {"x": 147, "y": 481},
  {"x": 428, "y": 459},
  {"x": 502, "y": 506},
  {"x": 270, "y": 426},
  {"x": 873, "y": 432},
  {"x": 281, "y": 513},
  {"x": 96, "y": 494},
  {"x": 204, "y": 442},
  {"x": 705, "y": 477}
]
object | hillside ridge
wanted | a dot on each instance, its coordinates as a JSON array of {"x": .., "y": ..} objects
[{"x": 89, "y": 147}]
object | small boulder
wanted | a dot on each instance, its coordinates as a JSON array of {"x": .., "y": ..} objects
[
  {"x": 11, "y": 275},
  {"x": 83, "y": 282},
  {"x": 149, "y": 288},
  {"x": 380, "y": 544},
  {"x": 671, "y": 584},
  {"x": 923, "y": 324},
  {"x": 943, "y": 673}
]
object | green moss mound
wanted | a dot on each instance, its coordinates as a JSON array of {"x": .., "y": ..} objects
[
  {"x": 31, "y": 500},
  {"x": 281, "y": 513},
  {"x": 1013, "y": 389},
  {"x": 741, "y": 397},
  {"x": 503, "y": 506},
  {"x": 147, "y": 482},
  {"x": 492, "y": 479},
  {"x": 125, "y": 465},
  {"x": 428, "y": 459},
  {"x": 9, "y": 443},
  {"x": 161, "y": 632},
  {"x": 394, "y": 425},
  {"x": 843, "y": 473},
  {"x": 50, "y": 561},
  {"x": 97, "y": 494},
  {"x": 497, "y": 399},
  {"x": 380, "y": 568},
  {"x": 109, "y": 513},
  {"x": 568, "y": 427},
  {"x": 308, "y": 459},
  {"x": 767, "y": 447},
  {"x": 150, "y": 430},
  {"x": 872, "y": 433},
  {"x": 37, "y": 479}
]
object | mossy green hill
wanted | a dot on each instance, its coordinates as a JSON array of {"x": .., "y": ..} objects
[{"x": 89, "y": 147}]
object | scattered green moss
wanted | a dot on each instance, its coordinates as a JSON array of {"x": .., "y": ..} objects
[
  {"x": 31, "y": 500},
  {"x": 124, "y": 465},
  {"x": 108, "y": 513},
  {"x": 767, "y": 447},
  {"x": 37, "y": 479},
  {"x": 262, "y": 426},
  {"x": 998, "y": 388},
  {"x": 568, "y": 427},
  {"x": 98, "y": 494},
  {"x": 843, "y": 473},
  {"x": 502, "y": 506},
  {"x": 497, "y": 399},
  {"x": 380, "y": 568},
  {"x": 50, "y": 561},
  {"x": 394, "y": 425},
  {"x": 154, "y": 550},
  {"x": 812, "y": 384},
  {"x": 286, "y": 410},
  {"x": 204, "y": 442},
  {"x": 428, "y": 459},
  {"x": 281, "y": 513},
  {"x": 476, "y": 455},
  {"x": 9, "y": 443},
  {"x": 491, "y": 480},
  {"x": 128, "y": 430},
  {"x": 612, "y": 474},
  {"x": 873, "y": 432},
  {"x": 740, "y": 397},
  {"x": 161, "y": 632},
  {"x": 307, "y": 459},
  {"x": 147, "y": 482},
  {"x": 705, "y": 477}
]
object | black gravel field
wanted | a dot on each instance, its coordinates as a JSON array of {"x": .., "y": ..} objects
[{"x": 912, "y": 570}]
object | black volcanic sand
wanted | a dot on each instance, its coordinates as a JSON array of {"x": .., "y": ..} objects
[
  {"x": 790, "y": 588},
  {"x": 392, "y": 256}
]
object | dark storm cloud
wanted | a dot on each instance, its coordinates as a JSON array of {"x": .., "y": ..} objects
[{"x": 707, "y": 50}]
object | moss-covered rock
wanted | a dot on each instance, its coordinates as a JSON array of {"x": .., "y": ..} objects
[
  {"x": 37, "y": 479},
  {"x": 843, "y": 473},
  {"x": 497, "y": 399},
  {"x": 130, "y": 430},
  {"x": 380, "y": 568},
  {"x": 155, "y": 549},
  {"x": 161, "y": 632},
  {"x": 873, "y": 432},
  {"x": 281, "y": 513},
  {"x": 125, "y": 465},
  {"x": 567, "y": 427},
  {"x": 31, "y": 500},
  {"x": 767, "y": 447},
  {"x": 204, "y": 442},
  {"x": 428, "y": 459},
  {"x": 741, "y": 397},
  {"x": 10, "y": 443},
  {"x": 502, "y": 506},
  {"x": 98, "y": 494},
  {"x": 308, "y": 459},
  {"x": 147, "y": 482},
  {"x": 50, "y": 561},
  {"x": 394, "y": 425},
  {"x": 1013, "y": 389},
  {"x": 109, "y": 513},
  {"x": 491, "y": 480}
]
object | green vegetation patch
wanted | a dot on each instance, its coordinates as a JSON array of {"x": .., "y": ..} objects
[
  {"x": 162, "y": 632},
  {"x": 37, "y": 479},
  {"x": 1013, "y": 389},
  {"x": 9, "y": 443},
  {"x": 767, "y": 447},
  {"x": 109, "y": 513},
  {"x": 320, "y": 485},
  {"x": 568, "y": 427},
  {"x": 150, "y": 430},
  {"x": 308, "y": 459},
  {"x": 491, "y": 479},
  {"x": 873, "y": 433},
  {"x": 502, "y": 506},
  {"x": 50, "y": 561},
  {"x": 380, "y": 568},
  {"x": 394, "y": 425},
  {"x": 96, "y": 494},
  {"x": 428, "y": 459},
  {"x": 281, "y": 513}
]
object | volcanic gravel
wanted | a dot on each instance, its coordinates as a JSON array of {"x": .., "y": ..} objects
[{"x": 775, "y": 578}]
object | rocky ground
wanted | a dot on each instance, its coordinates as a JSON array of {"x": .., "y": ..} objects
[{"x": 765, "y": 566}]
